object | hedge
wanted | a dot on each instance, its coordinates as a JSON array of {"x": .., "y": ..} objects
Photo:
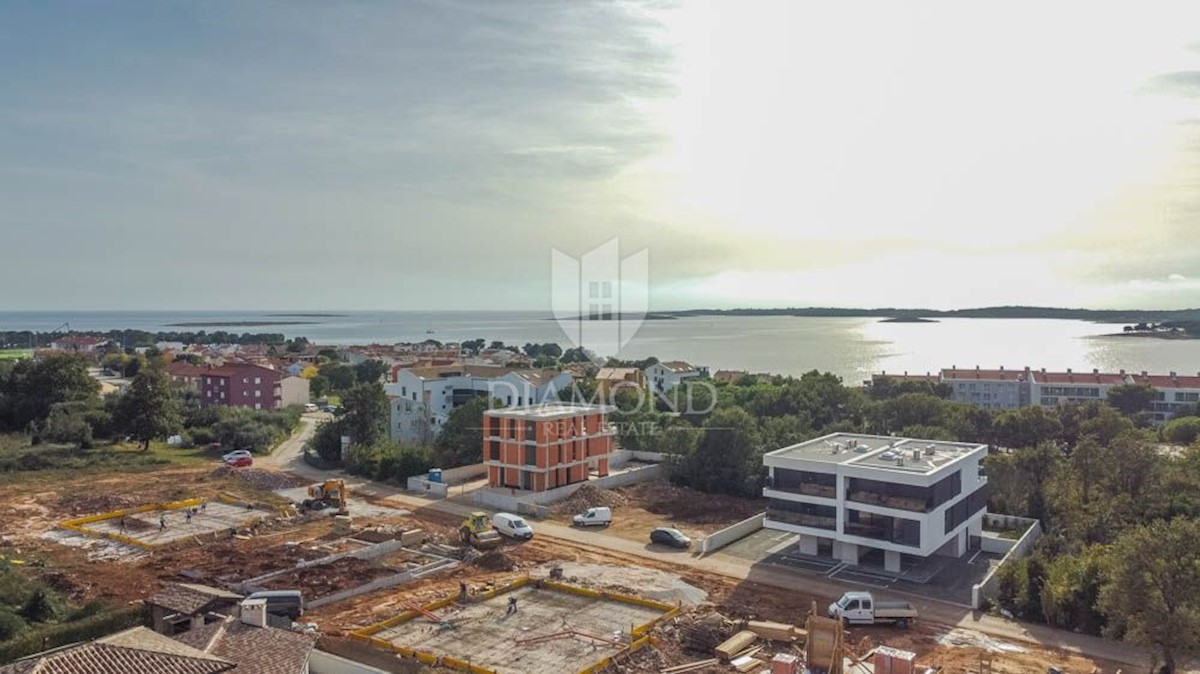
[{"x": 53, "y": 636}]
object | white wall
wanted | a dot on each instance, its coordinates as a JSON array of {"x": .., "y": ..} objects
[{"x": 734, "y": 532}]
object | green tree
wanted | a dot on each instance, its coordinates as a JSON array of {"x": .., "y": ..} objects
[
  {"x": 68, "y": 423},
  {"x": 460, "y": 442},
  {"x": 341, "y": 377},
  {"x": 726, "y": 459},
  {"x": 150, "y": 408},
  {"x": 1183, "y": 430},
  {"x": 365, "y": 413},
  {"x": 1026, "y": 427},
  {"x": 30, "y": 388},
  {"x": 41, "y": 607},
  {"x": 11, "y": 624},
  {"x": 1151, "y": 591},
  {"x": 370, "y": 371},
  {"x": 1131, "y": 398}
]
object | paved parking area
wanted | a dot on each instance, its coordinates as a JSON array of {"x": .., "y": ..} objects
[{"x": 760, "y": 544}]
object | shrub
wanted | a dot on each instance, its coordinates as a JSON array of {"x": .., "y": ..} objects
[
  {"x": 11, "y": 624},
  {"x": 1183, "y": 430},
  {"x": 201, "y": 435},
  {"x": 53, "y": 636}
]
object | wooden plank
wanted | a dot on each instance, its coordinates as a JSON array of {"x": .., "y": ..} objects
[
  {"x": 735, "y": 644},
  {"x": 691, "y": 666}
]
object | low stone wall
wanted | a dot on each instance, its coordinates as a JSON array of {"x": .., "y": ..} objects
[
  {"x": 991, "y": 583},
  {"x": 734, "y": 532},
  {"x": 421, "y": 485},
  {"x": 464, "y": 473},
  {"x": 995, "y": 544}
]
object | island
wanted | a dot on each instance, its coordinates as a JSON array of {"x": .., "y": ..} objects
[
  {"x": 235, "y": 324},
  {"x": 907, "y": 319}
]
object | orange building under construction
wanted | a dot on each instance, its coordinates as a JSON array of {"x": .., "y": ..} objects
[{"x": 546, "y": 446}]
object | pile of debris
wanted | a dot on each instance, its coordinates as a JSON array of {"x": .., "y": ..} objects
[
  {"x": 260, "y": 479},
  {"x": 494, "y": 560},
  {"x": 704, "y": 634},
  {"x": 588, "y": 496}
]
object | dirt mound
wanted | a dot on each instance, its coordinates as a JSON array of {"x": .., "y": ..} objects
[
  {"x": 84, "y": 503},
  {"x": 588, "y": 496},
  {"x": 688, "y": 505},
  {"x": 260, "y": 479},
  {"x": 318, "y": 581},
  {"x": 494, "y": 560}
]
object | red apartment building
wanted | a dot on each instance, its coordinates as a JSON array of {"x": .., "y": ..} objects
[
  {"x": 232, "y": 385},
  {"x": 546, "y": 446}
]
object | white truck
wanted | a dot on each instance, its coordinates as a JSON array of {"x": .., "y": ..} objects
[{"x": 861, "y": 608}]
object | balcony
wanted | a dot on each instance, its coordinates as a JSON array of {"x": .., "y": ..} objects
[
  {"x": 801, "y": 519},
  {"x": 884, "y": 501}
]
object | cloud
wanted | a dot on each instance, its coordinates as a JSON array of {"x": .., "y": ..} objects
[{"x": 1184, "y": 83}]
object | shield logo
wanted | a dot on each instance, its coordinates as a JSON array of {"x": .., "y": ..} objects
[{"x": 599, "y": 299}]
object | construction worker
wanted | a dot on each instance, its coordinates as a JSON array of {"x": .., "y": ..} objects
[
  {"x": 203, "y": 506},
  {"x": 162, "y": 522},
  {"x": 187, "y": 516},
  {"x": 462, "y": 591},
  {"x": 512, "y": 606},
  {"x": 121, "y": 526}
]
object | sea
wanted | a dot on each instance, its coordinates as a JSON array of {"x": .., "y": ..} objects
[{"x": 852, "y": 348}]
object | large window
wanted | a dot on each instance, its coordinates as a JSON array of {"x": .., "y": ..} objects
[
  {"x": 965, "y": 509},
  {"x": 802, "y": 514},
  {"x": 904, "y": 496},
  {"x": 805, "y": 482},
  {"x": 883, "y": 528}
]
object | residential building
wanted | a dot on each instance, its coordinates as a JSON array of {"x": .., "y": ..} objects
[
  {"x": 609, "y": 379},
  {"x": 293, "y": 391},
  {"x": 877, "y": 500},
  {"x": 541, "y": 447},
  {"x": 1173, "y": 394},
  {"x": 78, "y": 343},
  {"x": 234, "y": 384},
  {"x": 668, "y": 375},
  {"x": 421, "y": 399},
  {"x": 179, "y": 607},
  {"x": 991, "y": 389},
  {"x": 1057, "y": 388}
]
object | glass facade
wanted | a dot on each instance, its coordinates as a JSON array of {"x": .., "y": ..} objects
[
  {"x": 965, "y": 509},
  {"x": 903, "y": 496},
  {"x": 802, "y": 514},
  {"x": 883, "y": 528},
  {"x": 805, "y": 482}
]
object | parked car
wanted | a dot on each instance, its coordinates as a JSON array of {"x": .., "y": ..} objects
[
  {"x": 671, "y": 537},
  {"x": 861, "y": 608},
  {"x": 594, "y": 517},
  {"x": 513, "y": 526},
  {"x": 309, "y": 407},
  {"x": 288, "y": 603},
  {"x": 236, "y": 454}
]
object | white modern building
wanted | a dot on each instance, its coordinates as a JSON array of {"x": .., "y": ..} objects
[
  {"x": 991, "y": 389},
  {"x": 666, "y": 376},
  {"x": 1173, "y": 393},
  {"x": 875, "y": 500},
  {"x": 421, "y": 399},
  {"x": 1059, "y": 388}
]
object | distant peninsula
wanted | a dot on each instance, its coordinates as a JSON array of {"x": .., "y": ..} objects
[
  {"x": 907, "y": 319},
  {"x": 657, "y": 316},
  {"x": 310, "y": 315},
  {"x": 235, "y": 324},
  {"x": 1094, "y": 315}
]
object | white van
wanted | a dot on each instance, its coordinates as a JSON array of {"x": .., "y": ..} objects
[
  {"x": 594, "y": 517},
  {"x": 513, "y": 526}
]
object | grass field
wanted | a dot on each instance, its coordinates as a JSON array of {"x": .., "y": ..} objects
[{"x": 15, "y": 354}]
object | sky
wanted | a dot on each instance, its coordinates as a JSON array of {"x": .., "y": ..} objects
[{"x": 433, "y": 155}]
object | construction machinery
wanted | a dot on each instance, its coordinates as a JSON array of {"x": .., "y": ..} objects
[
  {"x": 477, "y": 530},
  {"x": 327, "y": 494}
]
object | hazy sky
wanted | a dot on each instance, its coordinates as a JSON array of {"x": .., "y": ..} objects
[{"x": 416, "y": 155}]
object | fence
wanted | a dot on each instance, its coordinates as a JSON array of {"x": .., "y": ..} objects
[
  {"x": 734, "y": 532},
  {"x": 991, "y": 583},
  {"x": 498, "y": 499}
]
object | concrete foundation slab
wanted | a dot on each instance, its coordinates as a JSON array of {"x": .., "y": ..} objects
[
  {"x": 144, "y": 527},
  {"x": 484, "y": 635}
]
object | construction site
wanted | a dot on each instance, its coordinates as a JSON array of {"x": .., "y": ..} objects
[{"x": 392, "y": 578}]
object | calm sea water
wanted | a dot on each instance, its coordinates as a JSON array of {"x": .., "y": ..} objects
[{"x": 853, "y": 348}]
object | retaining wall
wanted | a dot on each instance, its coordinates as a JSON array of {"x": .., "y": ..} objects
[
  {"x": 734, "y": 532},
  {"x": 991, "y": 583},
  {"x": 464, "y": 473},
  {"x": 418, "y": 483},
  {"x": 320, "y": 662},
  {"x": 502, "y": 500},
  {"x": 620, "y": 457}
]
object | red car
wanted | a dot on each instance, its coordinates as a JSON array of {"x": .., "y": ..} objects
[{"x": 238, "y": 459}]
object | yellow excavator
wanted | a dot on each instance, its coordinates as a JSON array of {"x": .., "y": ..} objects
[
  {"x": 327, "y": 494},
  {"x": 476, "y": 530}
]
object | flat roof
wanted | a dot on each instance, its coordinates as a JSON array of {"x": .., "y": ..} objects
[
  {"x": 550, "y": 411},
  {"x": 879, "y": 451}
]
